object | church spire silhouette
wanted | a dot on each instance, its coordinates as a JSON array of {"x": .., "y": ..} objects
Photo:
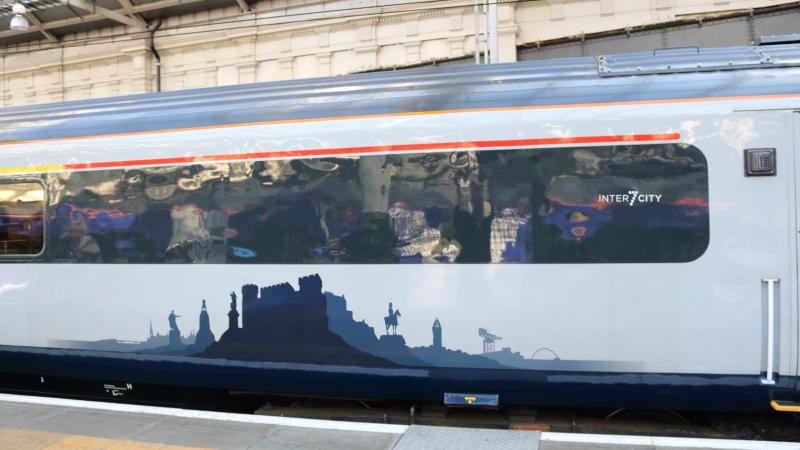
[{"x": 205, "y": 336}]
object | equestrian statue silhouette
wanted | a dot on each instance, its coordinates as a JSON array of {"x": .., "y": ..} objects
[{"x": 391, "y": 319}]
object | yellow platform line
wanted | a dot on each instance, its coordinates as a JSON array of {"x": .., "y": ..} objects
[{"x": 30, "y": 439}]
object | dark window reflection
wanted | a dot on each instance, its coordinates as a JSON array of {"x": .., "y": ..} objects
[
  {"x": 21, "y": 218},
  {"x": 643, "y": 203}
]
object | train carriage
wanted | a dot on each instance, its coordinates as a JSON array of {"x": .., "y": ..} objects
[{"x": 617, "y": 231}]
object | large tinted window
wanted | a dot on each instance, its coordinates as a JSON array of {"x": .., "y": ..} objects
[
  {"x": 21, "y": 218},
  {"x": 611, "y": 204}
]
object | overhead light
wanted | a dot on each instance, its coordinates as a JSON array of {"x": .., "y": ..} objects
[{"x": 19, "y": 22}]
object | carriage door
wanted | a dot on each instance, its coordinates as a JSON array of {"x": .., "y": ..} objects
[
  {"x": 789, "y": 337},
  {"x": 767, "y": 218},
  {"x": 793, "y": 310}
]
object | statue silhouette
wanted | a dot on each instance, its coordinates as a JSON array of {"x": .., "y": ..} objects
[
  {"x": 233, "y": 314},
  {"x": 173, "y": 323},
  {"x": 174, "y": 331},
  {"x": 391, "y": 319}
]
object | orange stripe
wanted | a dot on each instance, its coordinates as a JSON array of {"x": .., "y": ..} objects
[
  {"x": 415, "y": 113},
  {"x": 378, "y": 149}
]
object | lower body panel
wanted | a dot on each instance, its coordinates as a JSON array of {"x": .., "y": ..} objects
[{"x": 515, "y": 387}]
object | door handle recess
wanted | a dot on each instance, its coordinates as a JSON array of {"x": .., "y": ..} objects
[{"x": 770, "y": 369}]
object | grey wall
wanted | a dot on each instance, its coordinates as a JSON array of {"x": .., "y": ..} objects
[{"x": 721, "y": 33}]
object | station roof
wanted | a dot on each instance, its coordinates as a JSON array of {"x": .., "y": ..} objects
[{"x": 52, "y": 19}]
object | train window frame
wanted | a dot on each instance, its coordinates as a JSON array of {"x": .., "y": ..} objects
[
  {"x": 365, "y": 235},
  {"x": 40, "y": 182}
]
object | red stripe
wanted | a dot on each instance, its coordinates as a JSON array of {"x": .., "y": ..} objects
[{"x": 381, "y": 149}]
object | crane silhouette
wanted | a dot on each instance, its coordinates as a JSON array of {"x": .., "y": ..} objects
[{"x": 488, "y": 340}]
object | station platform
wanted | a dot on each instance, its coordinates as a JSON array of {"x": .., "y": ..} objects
[{"x": 28, "y": 422}]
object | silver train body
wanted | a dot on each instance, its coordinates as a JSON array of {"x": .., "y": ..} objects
[{"x": 616, "y": 232}]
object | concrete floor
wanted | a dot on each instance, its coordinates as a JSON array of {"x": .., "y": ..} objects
[
  {"x": 39, "y": 426},
  {"x": 36, "y": 423}
]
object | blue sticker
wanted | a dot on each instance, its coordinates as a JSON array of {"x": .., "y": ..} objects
[{"x": 242, "y": 252}]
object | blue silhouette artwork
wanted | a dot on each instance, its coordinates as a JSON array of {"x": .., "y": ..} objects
[
  {"x": 174, "y": 331},
  {"x": 391, "y": 319},
  {"x": 233, "y": 315},
  {"x": 437, "y": 334},
  {"x": 281, "y": 323},
  {"x": 205, "y": 336}
]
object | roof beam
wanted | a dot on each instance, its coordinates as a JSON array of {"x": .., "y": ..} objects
[
  {"x": 38, "y": 23},
  {"x": 107, "y": 13},
  {"x": 128, "y": 7},
  {"x": 243, "y": 6}
]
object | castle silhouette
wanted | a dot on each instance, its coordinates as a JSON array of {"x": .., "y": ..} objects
[{"x": 280, "y": 323}]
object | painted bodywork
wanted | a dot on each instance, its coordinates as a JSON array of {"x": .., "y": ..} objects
[{"x": 624, "y": 332}]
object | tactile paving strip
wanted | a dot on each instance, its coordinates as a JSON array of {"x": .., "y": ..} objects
[{"x": 419, "y": 437}]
